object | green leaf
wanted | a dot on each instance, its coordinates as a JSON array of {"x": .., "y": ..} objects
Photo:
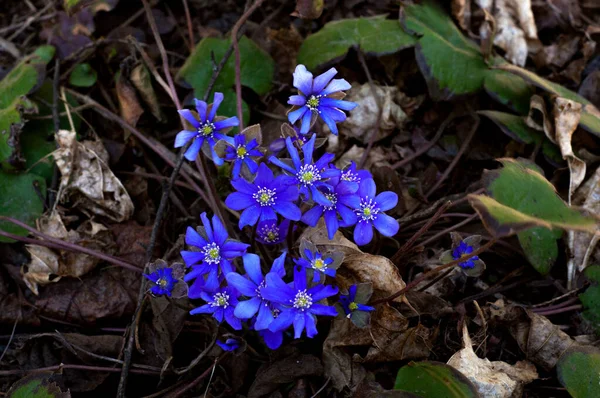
[
  {"x": 430, "y": 379},
  {"x": 590, "y": 116},
  {"x": 375, "y": 35},
  {"x": 83, "y": 75},
  {"x": 19, "y": 198},
  {"x": 37, "y": 385},
  {"x": 256, "y": 71},
  {"x": 591, "y": 297},
  {"x": 451, "y": 63},
  {"x": 578, "y": 371},
  {"x": 522, "y": 199},
  {"x": 514, "y": 126},
  {"x": 23, "y": 79},
  {"x": 508, "y": 89}
]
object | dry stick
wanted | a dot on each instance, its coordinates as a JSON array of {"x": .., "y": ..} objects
[
  {"x": 70, "y": 366},
  {"x": 375, "y": 132},
  {"x": 559, "y": 310},
  {"x": 454, "y": 162},
  {"x": 429, "y": 145},
  {"x": 188, "y": 18},
  {"x": 406, "y": 247},
  {"x": 197, "y": 380},
  {"x": 63, "y": 244},
  {"x": 236, "y": 50},
  {"x": 434, "y": 271}
]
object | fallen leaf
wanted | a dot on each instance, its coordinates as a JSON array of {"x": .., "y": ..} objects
[
  {"x": 361, "y": 122},
  {"x": 495, "y": 379},
  {"x": 308, "y": 9},
  {"x": 461, "y": 10},
  {"x": 514, "y": 26},
  {"x": 87, "y": 181},
  {"x": 129, "y": 105},
  {"x": 140, "y": 78},
  {"x": 272, "y": 375}
]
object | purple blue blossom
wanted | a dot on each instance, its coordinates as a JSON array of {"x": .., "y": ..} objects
[
  {"x": 299, "y": 303},
  {"x": 269, "y": 232},
  {"x": 264, "y": 197},
  {"x": 162, "y": 281},
  {"x": 312, "y": 259},
  {"x": 307, "y": 174},
  {"x": 273, "y": 340},
  {"x": 230, "y": 344},
  {"x": 370, "y": 213},
  {"x": 342, "y": 201},
  {"x": 213, "y": 256},
  {"x": 221, "y": 305},
  {"x": 252, "y": 287},
  {"x": 462, "y": 250},
  {"x": 313, "y": 99},
  {"x": 240, "y": 153},
  {"x": 351, "y": 305},
  {"x": 206, "y": 129},
  {"x": 351, "y": 174}
]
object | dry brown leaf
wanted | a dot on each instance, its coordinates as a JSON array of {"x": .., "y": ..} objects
[
  {"x": 514, "y": 26},
  {"x": 129, "y": 105},
  {"x": 495, "y": 379},
  {"x": 461, "y": 10},
  {"x": 361, "y": 122},
  {"x": 358, "y": 267},
  {"x": 140, "y": 78},
  {"x": 88, "y": 181},
  {"x": 49, "y": 266},
  {"x": 566, "y": 118}
]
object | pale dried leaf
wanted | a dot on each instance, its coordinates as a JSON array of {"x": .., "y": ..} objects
[
  {"x": 88, "y": 182},
  {"x": 42, "y": 269},
  {"x": 140, "y": 78},
  {"x": 566, "y": 118},
  {"x": 461, "y": 10},
  {"x": 495, "y": 379},
  {"x": 129, "y": 105}
]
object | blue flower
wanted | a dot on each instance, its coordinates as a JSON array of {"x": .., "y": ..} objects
[
  {"x": 351, "y": 305},
  {"x": 308, "y": 175},
  {"x": 269, "y": 233},
  {"x": 240, "y": 154},
  {"x": 229, "y": 345},
  {"x": 206, "y": 129},
  {"x": 464, "y": 249},
  {"x": 163, "y": 281},
  {"x": 313, "y": 99},
  {"x": 350, "y": 174},
  {"x": 214, "y": 255},
  {"x": 343, "y": 200},
  {"x": 221, "y": 305},
  {"x": 370, "y": 213},
  {"x": 299, "y": 303},
  {"x": 264, "y": 197},
  {"x": 320, "y": 264},
  {"x": 252, "y": 288},
  {"x": 273, "y": 340}
]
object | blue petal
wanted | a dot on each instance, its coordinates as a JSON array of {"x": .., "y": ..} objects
[
  {"x": 297, "y": 114},
  {"x": 249, "y": 216},
  {"x": 300, "y": 279},
  {"x": 329, "y": 121},
  {"x": 191, "y": 258},
  {"x": 220, "y": 233},
  {"x": 324, "y": 310},
  {"x": 243, "y": 186},
  {"x": 278, "y": 265},
  {"x": 322, "y": 291},
  {"x": 215, "y": 158},
  {"x": 363, "y": 233},
  {"x": 252, "y": 267},
  {"x": 233, "y": 248},
  {"x": 232, "y": 320},
  {"x": 323, "y": 80},
  {"x": 283, "y": 321},
  {"x": 288, "y": 210},
  {"x": 237, "y": 167},
  {"x": 205, "y": 309},
  {"x": 264, "y": 318},
  {"x": 298, "y": 324},
  {"x": 341, "y": 104},
  {"x": 311, "y": 326},
  {"x": 247, "y": 309},
  {"x": 367, "y": 188},
  {"x": 277, "y": 290},
  {"x": 251, "y": 164},
  {"x": 201, "y": 109},
  {"x": 289, "y": 194},
  {"x": 230, "y": 122},
  {"x": 348, "y": 216},
  {"x": 331, "y": 222},
  {"x": 335, "y": 86},
  {"x": 388, "y": 226},
  {"x": 298, "y": 100},
  {"x": 217, "y": 99},
  {"x": 193, "y": 238},
  {"x": 242, "y": 285},
  {"x": 281, "y": 164},
  {"x": 183, "y": 137},
  {"x": 187, "y": 115},
  {"x": 308, "y": 149},
  {"x": 239, "y": 201},
  {"x": 352, "y": 201},
  {"x": 303, "y": 80},
  {"x": 386, "y": 200},
  {"x": 273, "y": 340},
  {"x": 264, "y": 176},
  {"x": 306, "y": 119},
  {"x": 207, "y": 227},
  {"x": 312, "y": 216},
  {"x": 192, "y": 152}
]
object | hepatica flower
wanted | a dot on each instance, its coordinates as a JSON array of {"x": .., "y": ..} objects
[
  {"x": 221, "y": 304},
  {"x": 319, "y": 263},
  {"x": 370, "y": 213},
  {"x": 351, "y": 174},
  {"x": 299, "y": 303},
  {"x": 206, "y": 130},
  {"x": 269, "y": 232},
  {"x": 353, "y": 303},
  {"x": 462, "y": 250},
  {"x": 162, "y": 281},
  {"x": 213, "y": 255},
  {"x": 314, "y": 99},
  {"x": 252, "y": 287},
  {"x": 342, "y": 199},
  {"x": 241, "y": 153},
  {"x": 263, "y": 198},
  {"x": 307, "y": 174},
  {"x": 230, "y": 344}
]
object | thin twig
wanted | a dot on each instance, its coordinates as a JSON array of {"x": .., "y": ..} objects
[
  {"x": 375, "y": 132},
  {"x": 557, "y": 311},
  {"x": 434, "y": 271},
  {"x": 197, "y": 380},
  {"x": 70, "y": 366},
  {"x": 12, "y": 334},
  {"x": 236, "y": 50},
  {"x": 188, "y": 19},
  {"x": 448, "y": 230}
]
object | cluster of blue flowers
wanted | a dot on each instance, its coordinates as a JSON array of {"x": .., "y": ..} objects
[{"x": 273, "y": 196}]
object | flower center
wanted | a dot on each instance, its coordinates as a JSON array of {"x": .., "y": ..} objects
[
  {"x": 212, "y": 253},
  {"x": 162, "y": 282},
  {"x": 353, "y": 306},
  {"x": 319, "y": 264},
  {"x": 259, "y": 288},
  {"x": 350, "y": 176},
  {"x": 368, "y": 209},
  {"x": 308, "y": 174},
  {"x": 241, "y": 151},
  {"x": 332, "y": 197},
  {"x": 302, "y": 301},
  {"x": 313, "y": 102},
  {"x": 269, "y": 233},
  {"x": 220, "y": 300},
  {"x": 265, "y": 196},
  {"x": 207, "y": 129}
]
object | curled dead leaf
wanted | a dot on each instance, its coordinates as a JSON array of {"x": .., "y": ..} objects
[
  {"x": 87, "y": 181},
  {"x": 129, "y": 105},
  {"x": 140, "y": 78}
]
